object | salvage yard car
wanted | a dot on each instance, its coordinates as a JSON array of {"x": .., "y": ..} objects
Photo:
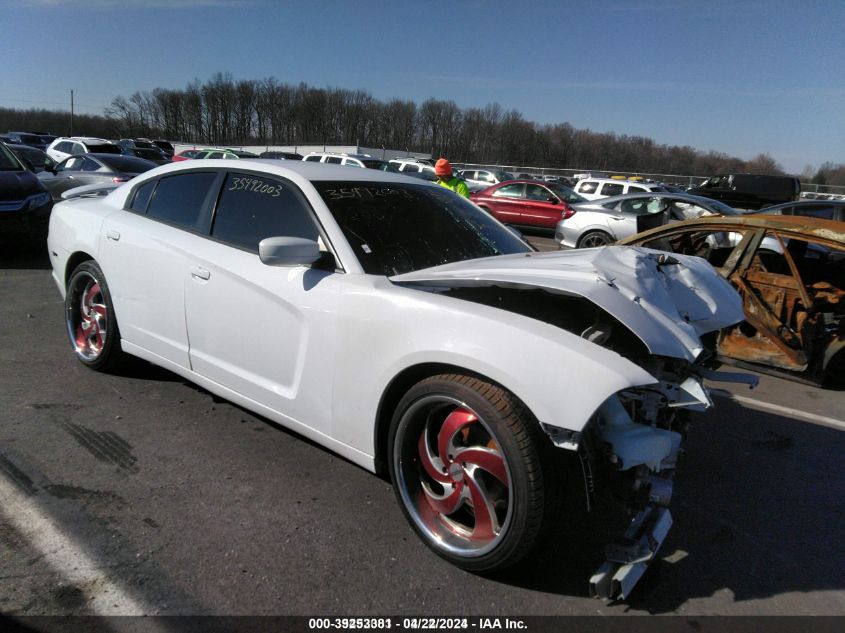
[
  {"x": 397, "y": 324},
  {"x": 607, "y": 220},
  {"x": 790, "y": 272}
]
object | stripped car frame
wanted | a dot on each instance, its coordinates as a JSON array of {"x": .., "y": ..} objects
[{"x": 790, "y": 272}]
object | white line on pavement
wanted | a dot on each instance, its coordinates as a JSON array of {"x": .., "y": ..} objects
[
  {"x": 103, "y": 595},
  {"x": 776, "y": 408}
]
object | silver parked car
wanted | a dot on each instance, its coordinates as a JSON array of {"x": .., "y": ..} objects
[
  {"x": 92, "y": 169},
  {"x": 607, "y": 220}
]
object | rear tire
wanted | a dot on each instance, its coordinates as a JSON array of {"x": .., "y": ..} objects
[
  {"x": 592, "y": 239},
  {"x": 90, "y": 319},
  {"x": 472, "y": 471}
]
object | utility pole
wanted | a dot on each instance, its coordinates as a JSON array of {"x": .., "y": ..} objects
[{"x": 71, "y": 112}]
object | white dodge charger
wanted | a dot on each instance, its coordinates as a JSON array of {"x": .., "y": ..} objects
[{"x": 402, "y": 327}]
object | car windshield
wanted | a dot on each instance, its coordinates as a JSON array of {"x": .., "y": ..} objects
[
  {"x": 721, "y": 207},
  {"x": 380, "y": 164},
  {"x": 127, "y": 164},
  {"x": 145, "y": 152},
  {"x": 8, "y": 161},
  {"x": 399, "y": 228},
  {"x": 565, "y": 193}
]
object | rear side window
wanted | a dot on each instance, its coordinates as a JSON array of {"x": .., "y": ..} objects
[
  {"x": 104, "y": 148},
  {"x": 254, "y": 207},
  {"x": 587, "y": 187},
  {"x": 817, "y": 212},
  {"x": 634, "y": 188},
  {"x": 142, "y": 195},
  {"x": 334, "y": 160},
  {"x": 611, "y": 189},
  {"x": 312, "y": 159},
  {"x": 179, "y": 199}
]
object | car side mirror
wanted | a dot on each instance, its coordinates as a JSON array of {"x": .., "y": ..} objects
[
  {"x": 552, "y": 200},
  {"x": 288, "y": 251}
]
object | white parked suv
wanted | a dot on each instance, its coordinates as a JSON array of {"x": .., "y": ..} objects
[
  {"x": 420, "y": 168},
  {"x": 65, "y": 147},
  {"x": 352, "y": 160},
  {"x": 595, "y": 188}
]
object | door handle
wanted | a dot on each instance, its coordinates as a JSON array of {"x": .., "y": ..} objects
[
  {"x": 113, "y": 235},
  {"x": 198, "y": 272}
]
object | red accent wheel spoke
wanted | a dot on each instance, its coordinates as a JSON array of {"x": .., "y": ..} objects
[
  {"x": 453, "y": 423},
  {"x": 486, "y": 523},
  {"x": 486, "y": 459},
  {"x": 427, "y": 461},
  {"x": 448, "y": 504}
]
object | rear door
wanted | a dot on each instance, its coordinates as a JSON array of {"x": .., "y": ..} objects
[
  {"x": 507, "y": 202},
  {"x": 145, "y": 255}
]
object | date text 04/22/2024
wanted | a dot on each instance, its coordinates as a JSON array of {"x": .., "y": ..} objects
[{"x": 414, "y": 624}]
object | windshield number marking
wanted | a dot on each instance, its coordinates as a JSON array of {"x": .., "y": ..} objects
[
  {"x": 368, "y": 192},
  {"x": 255, "y": 185}
]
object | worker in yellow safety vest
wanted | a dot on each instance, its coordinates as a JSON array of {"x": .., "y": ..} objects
[{"x": 443, "y": 171}]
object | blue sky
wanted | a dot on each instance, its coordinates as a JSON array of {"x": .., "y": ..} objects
[{"x": 739, "y": 77}]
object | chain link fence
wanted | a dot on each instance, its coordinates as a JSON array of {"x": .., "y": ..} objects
[{"x": 808, "y": 190}]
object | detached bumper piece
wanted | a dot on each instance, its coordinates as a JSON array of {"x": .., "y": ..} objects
[{"x": 629, "y": 557}]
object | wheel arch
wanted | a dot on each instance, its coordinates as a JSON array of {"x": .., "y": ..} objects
[
  {"x": 73, "y": 261},
  {"x": 596, "y": 229},
  {"x": 397, "y": 388}
]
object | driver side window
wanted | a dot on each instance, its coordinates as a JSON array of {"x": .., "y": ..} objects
[{"x": 254, "y": 207}]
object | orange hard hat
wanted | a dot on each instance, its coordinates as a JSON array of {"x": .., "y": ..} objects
[{"x": 443, "y": 167}]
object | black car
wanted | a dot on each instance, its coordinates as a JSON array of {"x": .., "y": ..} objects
[
  {"x": 25, "y": 203},
  {"x": 749, "y": 191},
  {"x": 27, "y": 138},
  {"x": 164, "y": 146},
  {"x": 281, "y": 155},
  {"x": 92, "y": 169},
  {"x": 34, "y": 158},
  {"x": 154, "y": 154},
  {"x": 827, "y": 209}
]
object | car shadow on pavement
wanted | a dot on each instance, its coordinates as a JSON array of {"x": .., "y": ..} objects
[
  {"x": 24, "y": 254},
  {"x": 759, "y": 512}
]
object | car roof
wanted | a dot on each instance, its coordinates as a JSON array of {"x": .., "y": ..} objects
[
  {"x": 649, "y": 194},
  {"x": 624, "y": 181},
  {"x": 830, "y": 231},
  {"x": 308, "y": 170},
  {"x": 30, "y": 148},
  {"x": 803, "y": 203},
  {"x": 82, "y": 139}
]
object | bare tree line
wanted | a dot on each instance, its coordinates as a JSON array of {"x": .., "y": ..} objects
[{"x": 225, "y": 111}]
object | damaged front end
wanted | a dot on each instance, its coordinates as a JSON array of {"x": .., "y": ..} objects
[
  {"x": 628, "y": 452},
  {"x": 661, "y": 313}
]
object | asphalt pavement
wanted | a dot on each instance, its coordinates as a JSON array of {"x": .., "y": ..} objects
[{"x": 140, "y": 493}]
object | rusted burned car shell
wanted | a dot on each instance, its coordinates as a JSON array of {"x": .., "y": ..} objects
[{"x": 793, "y": 289}]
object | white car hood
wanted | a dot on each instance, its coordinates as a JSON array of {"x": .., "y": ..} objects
[{"x": 668, "y": 306}]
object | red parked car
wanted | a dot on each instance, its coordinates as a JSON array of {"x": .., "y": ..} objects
[
  {"x": 528, "y": 203},
  {"x": 186, "y": 155}
]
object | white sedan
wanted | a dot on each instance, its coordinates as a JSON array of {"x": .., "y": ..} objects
[{"x": 402, "y": 327}]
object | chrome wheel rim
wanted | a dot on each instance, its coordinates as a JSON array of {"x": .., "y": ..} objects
[
  {"x": 87, "y": 317},
  {"x": 594, "y": 240},
  {"x": 453, "y": 477}
]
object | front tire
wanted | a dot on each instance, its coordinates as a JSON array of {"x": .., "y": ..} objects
[
  {"x": 89, "y": 316},
  {"x": 472, "y": 471}
]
